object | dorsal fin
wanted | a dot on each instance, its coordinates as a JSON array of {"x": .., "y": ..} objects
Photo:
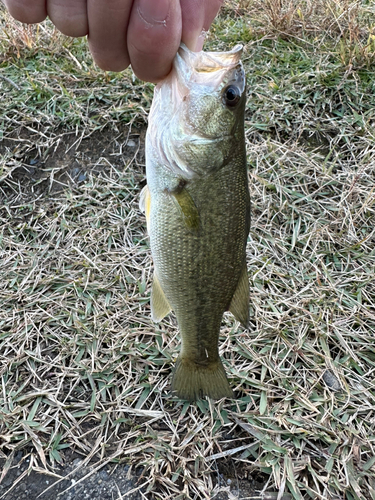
[{"x": 239, "y": 305}]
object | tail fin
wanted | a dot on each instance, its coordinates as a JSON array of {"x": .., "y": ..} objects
[{"x": 192, "y": 381}]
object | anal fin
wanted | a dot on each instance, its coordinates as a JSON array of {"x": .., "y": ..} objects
[
  {"x": 159, "y": 304},
  {"x": 239, "y": 305}
]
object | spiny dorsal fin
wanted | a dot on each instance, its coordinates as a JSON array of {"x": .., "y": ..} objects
[
  {"x": 239, "y": 305},
  {"x": 159, "y": 304}
]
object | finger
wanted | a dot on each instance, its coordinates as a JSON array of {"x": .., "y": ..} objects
[
  {"x": 108, "y": 22},
  {"x": 197, "y": 16},
  {"x": 69, "y": 16},
  {"x": 154, "y": 35},
  {"x": 26, "y": 11}
]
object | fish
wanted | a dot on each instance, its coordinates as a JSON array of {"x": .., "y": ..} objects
[{"x": 197, "y": 207}]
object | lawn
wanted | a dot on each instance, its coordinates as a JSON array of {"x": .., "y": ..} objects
[{"x": 83, "y": 367}]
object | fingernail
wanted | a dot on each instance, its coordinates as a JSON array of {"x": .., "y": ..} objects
[{"x": 154, "y": 11}]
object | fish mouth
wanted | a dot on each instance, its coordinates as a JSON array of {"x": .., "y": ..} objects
[
  {"x": 208, "y": 68},
  {"x": 207, "y": 62}
]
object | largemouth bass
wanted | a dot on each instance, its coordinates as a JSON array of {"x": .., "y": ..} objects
[{"x": 197, "y": 207}]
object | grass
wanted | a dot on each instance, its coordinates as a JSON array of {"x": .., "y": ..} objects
[{"x": 82, "y": 365}]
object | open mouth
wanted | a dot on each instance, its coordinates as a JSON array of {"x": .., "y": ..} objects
[{"x": 207, "y": 68}]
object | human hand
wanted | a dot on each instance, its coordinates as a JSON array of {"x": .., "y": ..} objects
[{"x": 143, "y": 33}]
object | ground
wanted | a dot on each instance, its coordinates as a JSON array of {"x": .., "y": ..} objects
[
  {"x": 77, "y": 480},
  {"x": 81, "y": 481}
]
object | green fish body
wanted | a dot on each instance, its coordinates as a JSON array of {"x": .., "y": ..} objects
[{"x": 197, "y": 206}]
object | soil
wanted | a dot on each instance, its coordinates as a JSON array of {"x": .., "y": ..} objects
[
  {"x": 110, "y": 481},
  {"x": 46, "y": 168},
  {"x": 80, "y": 481}
]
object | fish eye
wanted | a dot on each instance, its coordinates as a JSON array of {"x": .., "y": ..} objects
[{"x": 231, "y": 95}]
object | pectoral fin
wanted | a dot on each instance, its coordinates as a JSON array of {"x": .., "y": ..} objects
[
  {"x": 159, "y": 304},
  {"x": 239, "y": 306},
  {"x": 187, "y": 208}
]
